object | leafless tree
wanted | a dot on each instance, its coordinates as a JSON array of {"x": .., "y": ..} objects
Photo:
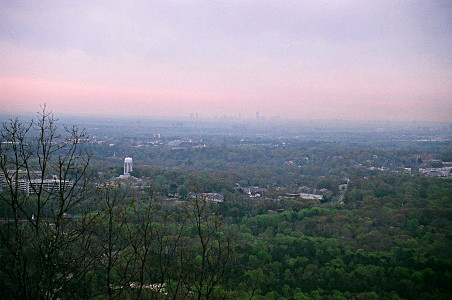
[
  {"x": 111, "y": 241},
  {"x": 43, "y": 172},
  {"x": 204, "y": 256}
]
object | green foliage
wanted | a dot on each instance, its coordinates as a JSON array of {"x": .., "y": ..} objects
[{"x": 389, "y": 239}]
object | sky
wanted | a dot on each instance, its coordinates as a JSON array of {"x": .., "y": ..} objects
[{"x": 339, "y": 60}]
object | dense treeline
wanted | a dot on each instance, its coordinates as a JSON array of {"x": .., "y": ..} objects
[
  {"x": 267, "y": 163},
  {"x": 388, "y": 244},
  {"x": 97, "y": 239},
  {"x": 394, "y": 241}
]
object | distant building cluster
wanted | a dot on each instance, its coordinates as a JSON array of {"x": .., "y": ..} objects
[
  {"x": 31, "y": 182},
  {"x": 445, "y": 172},
  {"x": 254, "y": 191},
  {"x": 214, "y": 197}
]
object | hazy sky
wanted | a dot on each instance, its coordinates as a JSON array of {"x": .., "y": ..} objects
[{"x": 378, "y": 60}]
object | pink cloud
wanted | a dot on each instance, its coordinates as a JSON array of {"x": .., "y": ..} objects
[{"x": 20, "y": 94}]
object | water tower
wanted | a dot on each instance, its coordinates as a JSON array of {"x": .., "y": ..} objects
[{"x": 128, "y": 165}]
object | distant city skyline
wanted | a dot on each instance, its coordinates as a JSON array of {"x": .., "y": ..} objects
[{"x": 343, "y": 60}]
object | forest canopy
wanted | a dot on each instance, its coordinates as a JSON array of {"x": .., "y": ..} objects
[{"x": 225, "y": 222}]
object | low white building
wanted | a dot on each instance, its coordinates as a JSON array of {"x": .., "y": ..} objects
[
  {"x": 31, "y": 182},
  {"x": 311, "y": 196}
]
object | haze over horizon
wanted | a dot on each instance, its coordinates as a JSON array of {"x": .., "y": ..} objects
[{"x": 345, "y": 60}]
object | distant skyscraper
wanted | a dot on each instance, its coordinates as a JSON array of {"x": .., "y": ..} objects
[
  {"x": 257, "y": 115},
  {"x": 128, "y": 165}
]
